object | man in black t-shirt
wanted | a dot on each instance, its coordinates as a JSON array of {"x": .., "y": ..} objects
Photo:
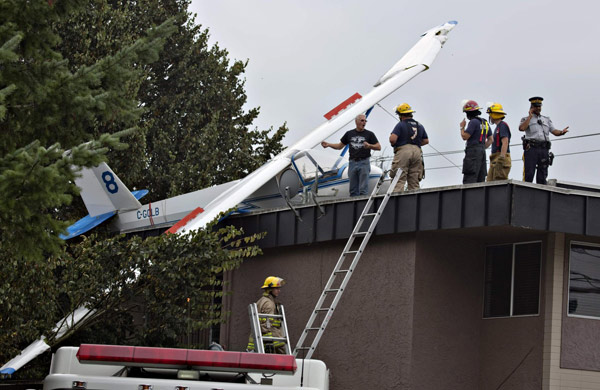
[{"x": 361, "y": 142}]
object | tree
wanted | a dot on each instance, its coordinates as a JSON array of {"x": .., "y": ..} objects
[
  {"x": 47, "y": 99},
  {"x": 39, "y": 94},
  {"x": 195, "y": 131},
  {"x": 33, "y": 181},
  {"x": 175, "y": 280}
]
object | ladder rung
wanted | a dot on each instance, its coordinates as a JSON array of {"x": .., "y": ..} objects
[
  {"x": 269, "y": 315},
  {"x": 373, "y": 213},
  {"x": 274, "y": 338}
]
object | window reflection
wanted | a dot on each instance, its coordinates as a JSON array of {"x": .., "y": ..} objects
[{"x": 584, "y": 280}]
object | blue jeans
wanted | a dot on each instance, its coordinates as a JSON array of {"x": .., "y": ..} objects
[{"x": 358, "y": 173}]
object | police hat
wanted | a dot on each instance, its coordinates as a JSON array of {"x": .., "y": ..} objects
[{"x": 536, "y": 101}]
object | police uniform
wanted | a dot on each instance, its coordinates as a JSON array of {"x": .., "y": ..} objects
[{"x": 536, "y": 145}]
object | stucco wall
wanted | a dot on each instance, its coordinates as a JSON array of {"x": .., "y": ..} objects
[
  {"x": 411, "y": 317},
  {"x": 511, "y": 353},
  {"x": 368, "y": 341},
  {"x": 447, "y": 315}
]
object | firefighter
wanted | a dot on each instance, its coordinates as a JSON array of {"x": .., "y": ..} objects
[
  {"x": 500, "y": 161},
  {"x": 270, "y": 327},
  {"x": 478, "y": 137},
  {"x": 407, "y": 138}
]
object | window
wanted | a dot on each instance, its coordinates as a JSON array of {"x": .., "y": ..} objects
[
  {"x": 512, "y": 280},
  {"x": 584, "y": 280}
]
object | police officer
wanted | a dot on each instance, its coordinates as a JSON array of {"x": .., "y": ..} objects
[
  {"x": 407, "y": 138},
  {"x": 478, "y": 136},
  {"x": 536, "y": 142},
  {"x": 268, "y": 304}
]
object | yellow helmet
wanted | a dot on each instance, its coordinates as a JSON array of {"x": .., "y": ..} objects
[
  {"x": 273, "y": 282},
  {"x": 404, "y": 108},
  {"x": 496, "y": 111}
]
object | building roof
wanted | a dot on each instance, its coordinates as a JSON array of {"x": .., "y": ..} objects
[{"x": 562, "y": 207}]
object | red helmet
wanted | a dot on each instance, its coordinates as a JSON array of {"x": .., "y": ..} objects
[{"x": 471, "y": 105}]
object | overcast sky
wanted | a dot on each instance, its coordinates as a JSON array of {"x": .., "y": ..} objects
[{"x": 305, "y": 57}]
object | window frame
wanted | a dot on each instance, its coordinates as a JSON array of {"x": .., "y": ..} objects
[
  {"x": 568, "y": 275},
  {"x": 512, "y": 281}
]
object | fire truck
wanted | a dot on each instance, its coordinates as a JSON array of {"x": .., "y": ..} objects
[{"x": 118, "y": 367}]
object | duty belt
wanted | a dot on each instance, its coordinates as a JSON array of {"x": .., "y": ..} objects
[{"x": 533, "y": 143}]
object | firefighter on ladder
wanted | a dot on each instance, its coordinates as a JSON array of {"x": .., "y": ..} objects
[{"x": 270, "y": 327}]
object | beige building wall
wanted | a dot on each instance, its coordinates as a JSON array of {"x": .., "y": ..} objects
[{"x": 555, "y": 377}]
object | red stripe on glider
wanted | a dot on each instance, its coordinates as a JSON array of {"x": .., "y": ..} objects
[
  {"x": 185, "y": 220},
  {"x": 342, "y": 106}
]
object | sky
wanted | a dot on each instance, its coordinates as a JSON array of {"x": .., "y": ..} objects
[{"x": 305, "y": 57}]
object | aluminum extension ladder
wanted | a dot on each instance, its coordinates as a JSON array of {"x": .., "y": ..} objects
[
  {"x": 259, "y": 339},
  {"x": 334, "y": 289}
]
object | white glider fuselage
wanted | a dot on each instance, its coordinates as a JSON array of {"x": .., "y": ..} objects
[
  {"x": 261, "y": 188},
  {"x": 166, "y": 212}
]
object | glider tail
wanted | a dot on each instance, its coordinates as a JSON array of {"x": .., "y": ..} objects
[{"x": 102, "y": 191}]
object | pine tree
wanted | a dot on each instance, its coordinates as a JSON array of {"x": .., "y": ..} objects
[
  {"x": 51, "y": 105},
  {"x": 195, "y": 131},
  {"x": 40, "y": 97}
]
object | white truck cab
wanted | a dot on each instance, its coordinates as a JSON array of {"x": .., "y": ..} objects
[{"x": 118, "y": 367}]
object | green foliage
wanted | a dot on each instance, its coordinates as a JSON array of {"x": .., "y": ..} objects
[
  {"x": 75, "y": 70},
  {"x": 44, "y": 99},
  {"x": 34, "y": 181},
  {"x": 173, "y": 280},
  {"x": 195, "y": 132}
]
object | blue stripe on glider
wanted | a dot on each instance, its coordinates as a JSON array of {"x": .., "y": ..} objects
[{"x": 88, "y": 222}]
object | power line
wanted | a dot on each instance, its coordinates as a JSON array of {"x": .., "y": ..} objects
[
  {"x": 519, "y": 160},
  {"x": 432, "y": 147},
  {"x": 444, "y": 154},
  {"x": 512, "y": 145}
]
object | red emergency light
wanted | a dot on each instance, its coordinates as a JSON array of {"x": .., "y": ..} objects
[{"x": 186, "y": 359}]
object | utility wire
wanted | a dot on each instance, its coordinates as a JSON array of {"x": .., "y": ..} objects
[
  {"x": 432, "y": 147},
  {"x": 513, "y": 145},
  {"x": 519, "y": 160},
  {"x": 443, "y": 154}
]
